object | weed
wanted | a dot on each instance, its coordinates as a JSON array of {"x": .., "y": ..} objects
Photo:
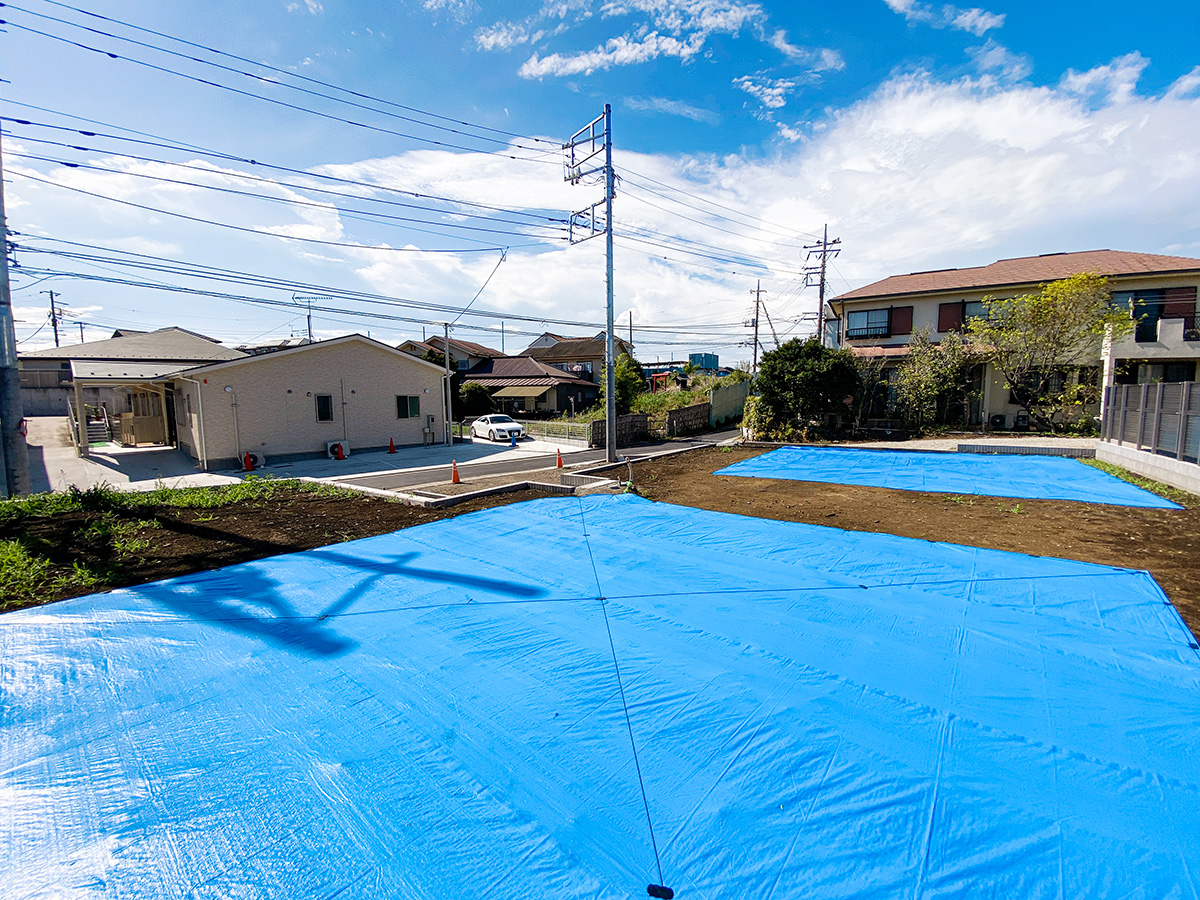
[
  {"x": 958, "y": 498},
  {"x": 1183, "y": 498},
  {"x": 21, "y": 573}
]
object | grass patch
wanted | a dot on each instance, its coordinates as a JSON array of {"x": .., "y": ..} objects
[
  {"x": 1183, "y": 498},
  {"x": 26, "y": 576},
  {"x": 104, "y": 498}
]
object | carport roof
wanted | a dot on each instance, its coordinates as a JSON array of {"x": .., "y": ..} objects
[{"x": 120, "y": 370}]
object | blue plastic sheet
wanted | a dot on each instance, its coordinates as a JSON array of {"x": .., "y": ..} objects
[
  {"x": 990, "y": 475},
  {"x": 435, "y": 714}
]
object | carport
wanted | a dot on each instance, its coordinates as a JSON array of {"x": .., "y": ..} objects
[{"x": 147, "y": 422}]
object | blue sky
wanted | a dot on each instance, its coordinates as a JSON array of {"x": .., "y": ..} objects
[{"x": 925, "y": 134}]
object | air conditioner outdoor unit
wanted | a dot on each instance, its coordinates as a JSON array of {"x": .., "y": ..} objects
[
  {"x": 331, "y": 449},
  {"x": 257, "y": 460}
]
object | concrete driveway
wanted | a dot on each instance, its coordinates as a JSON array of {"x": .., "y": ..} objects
[{"x": 53, "y": 465}]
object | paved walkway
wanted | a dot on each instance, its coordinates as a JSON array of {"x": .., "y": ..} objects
[{"x": 53, "y": 464}]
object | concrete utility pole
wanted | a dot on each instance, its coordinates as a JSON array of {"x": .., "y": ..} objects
[
  {"x": 823, "y": 250},
  {"x": 757, "y": 292},
  {"x": 446, "y": 389},
  {"x": 581, "y": 160},
  {"x": 12, "y": 416},
  {"x": 53, "y": 316}
]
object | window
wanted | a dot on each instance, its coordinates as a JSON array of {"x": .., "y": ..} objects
[
  {"x": 408, "y": 407},
  {"x": 868, "y": 323},
  {"x": 324, "y": 407},
  {"x": 1147, "y": 310},
  {"x": 901, "y": 320},
  {"x": 973, "y": 309},
  {"x": 950, "y": 316},
  {"x": 462, "y": 364}
]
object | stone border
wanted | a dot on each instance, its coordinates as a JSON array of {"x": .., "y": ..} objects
[{"x": 1018, "y": 450}]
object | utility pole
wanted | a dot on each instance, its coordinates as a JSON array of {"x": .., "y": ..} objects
[
  {"x": 446, "y": 389},
  {"x": 53, "y": 316},
  {"x": 80, "y": 332},
  {"x": 12, "y": 416},
  {"x": 757, "y": 292},
  {"x": 823, "y": 250},
  {"x": 582, "y": 155},
  {"x": 631, "y": 328}
]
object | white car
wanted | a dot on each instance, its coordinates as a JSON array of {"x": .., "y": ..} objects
[{"x": 496, "y": 427}]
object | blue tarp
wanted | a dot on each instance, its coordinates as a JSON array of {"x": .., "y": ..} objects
[
  {"x": 990, "y": 475},
  {"x": 435, "y": 713}
]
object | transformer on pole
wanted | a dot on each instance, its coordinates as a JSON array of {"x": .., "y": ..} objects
[{"x": 589, "y": 152}]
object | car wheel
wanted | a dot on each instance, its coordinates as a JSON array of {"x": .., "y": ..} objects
[{"x": 491, "y": 435}]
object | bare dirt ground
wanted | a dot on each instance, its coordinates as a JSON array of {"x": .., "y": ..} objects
[{"x": 1164, "y": 541}]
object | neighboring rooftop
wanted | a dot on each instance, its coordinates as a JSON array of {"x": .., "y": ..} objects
[
  {"x": 520, "y": 370},
  {"x": 575, "y": 348},
  {"x": 163, "y": 345},
  {"x": 1025, "y": 270},
  {"x": 457, "y": 348}
]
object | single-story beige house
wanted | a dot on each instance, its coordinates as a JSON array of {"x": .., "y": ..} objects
[{"x": 296, "y": 403}]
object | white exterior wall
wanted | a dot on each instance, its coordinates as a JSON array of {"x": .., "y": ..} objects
[{"x": 275, "y": 398}]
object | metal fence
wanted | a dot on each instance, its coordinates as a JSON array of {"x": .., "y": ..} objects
[
  {"x": 572, "y": 432},
  {"x": 1159, "y": 418}
]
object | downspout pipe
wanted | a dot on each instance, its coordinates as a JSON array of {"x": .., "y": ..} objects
[{"x": 200, "y": 414}]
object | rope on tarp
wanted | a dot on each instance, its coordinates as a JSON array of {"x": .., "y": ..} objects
[{"x": 654, "y": 890}]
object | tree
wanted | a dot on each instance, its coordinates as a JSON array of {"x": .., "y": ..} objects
[
  {"x": 933, "y": 383},
  {"x": 1040, "y": 341},
  {"x": 473, "y": 399},
  {"x": 801, "y": 381},
  {"x": 630, "y": 380}
]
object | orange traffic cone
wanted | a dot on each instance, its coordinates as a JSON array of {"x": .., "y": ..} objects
[
  {"x": 247, "y": 463},
  {"x": 391, "y": 445},
  {"x": 454, "y": 479},
  {"x": 558, "y": 465},
  {"x": 337, "y": 452}
]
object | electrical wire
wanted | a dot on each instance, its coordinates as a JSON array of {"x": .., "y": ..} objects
[
  {"x": 251, "y": 94},
  {"x": 297, "y": 75},
  {"x": 244, "y": 230}
]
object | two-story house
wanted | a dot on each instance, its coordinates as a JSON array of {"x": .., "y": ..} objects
[
  {"x": 581, "y": 357},
  {"x": 880, "y": 318}
]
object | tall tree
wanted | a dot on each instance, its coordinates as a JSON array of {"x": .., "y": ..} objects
[
  {"x": 802, "y": 381},
  {"x": 1040, "y": 341},
  {"x": 630, "y": 379},
  {"x": 933, "y": 382}
]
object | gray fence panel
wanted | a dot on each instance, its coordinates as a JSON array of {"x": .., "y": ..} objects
[{"x": 1162, "y": 418}]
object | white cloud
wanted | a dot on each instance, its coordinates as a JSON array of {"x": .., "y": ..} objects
[
  {"x": 618, "y": 51},
  {"x": 1186, "y": 84},
  {"x": 772, "y": 93},
  {"x": 995, "y": 58},
  {"x": 311, "y": 5},
  {"x": 503, "y": 36},
  {"x": 818, "y": 59},
  {"x": 672, "y": 108},
  {"x": 975, "y": 21},
  {"x": 1114, "y": 83},
  {"x": 459, "y": 10}
]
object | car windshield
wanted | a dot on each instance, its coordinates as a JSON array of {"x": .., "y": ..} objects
[{"x": 500, "y": 419}]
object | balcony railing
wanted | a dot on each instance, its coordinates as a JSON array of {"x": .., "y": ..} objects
[{"x": 869, "y": 331}]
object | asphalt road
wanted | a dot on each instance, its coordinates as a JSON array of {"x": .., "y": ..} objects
[{"x": 412, "y": 478}]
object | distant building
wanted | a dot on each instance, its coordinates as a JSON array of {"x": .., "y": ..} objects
[
  {"x": 523, "y": 385},
  {"x": 581, "y": 357},
  {"x": 463, "y": 354},
  {"x": 1160, "y": 292}
]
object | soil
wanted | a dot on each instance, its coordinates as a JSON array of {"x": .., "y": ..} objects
[{"x": 1166, "y": 542}]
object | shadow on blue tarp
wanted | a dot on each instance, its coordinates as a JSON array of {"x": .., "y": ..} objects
[
  {"x": 248, "y": 600},
  {"x": 982, "y": 474}
]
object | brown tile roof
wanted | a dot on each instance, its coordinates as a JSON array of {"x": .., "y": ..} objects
[
  {"x": 506, "y": 368},
  {"x": 576, "y": 348},
  {"x": 1025, "y": 270}
]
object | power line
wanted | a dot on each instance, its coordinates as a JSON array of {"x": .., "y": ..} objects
[
  {"x": 299, "y": 77},
  {"x": 245, "y": 93},
  {"x": 244, "y": 230},
  {"x": 152, "y": 140},
  {"x": 361, "y": 215}
]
